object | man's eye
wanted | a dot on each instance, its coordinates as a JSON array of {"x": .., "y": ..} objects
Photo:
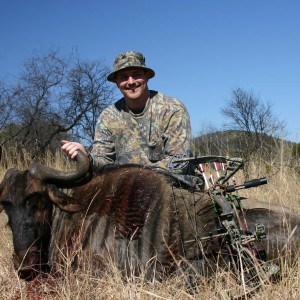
[
  {"x": 123, "y": 78},
  {"x": 136, "y": 75}
]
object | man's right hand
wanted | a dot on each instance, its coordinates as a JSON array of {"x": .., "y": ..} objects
[{"x": 71, "y": 148}]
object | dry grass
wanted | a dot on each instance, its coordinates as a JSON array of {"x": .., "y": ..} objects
[{"x": 283, "y": 188}]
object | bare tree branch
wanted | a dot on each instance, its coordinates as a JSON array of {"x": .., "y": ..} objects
[
  {"x": 54, "y": 96},
  {"x": 255, "y": 121}
]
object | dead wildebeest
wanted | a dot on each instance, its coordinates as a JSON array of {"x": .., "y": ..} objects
[{"x": 139, "y": 218}]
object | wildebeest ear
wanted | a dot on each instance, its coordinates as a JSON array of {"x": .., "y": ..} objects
[{"x": 63, "y": 201}]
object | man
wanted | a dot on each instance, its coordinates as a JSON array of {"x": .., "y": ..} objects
[{"x": 144, "y": 127}]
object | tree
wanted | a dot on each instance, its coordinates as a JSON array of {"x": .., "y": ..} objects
[
  {"x": 88, "y": 94},
  {"x": 255, "y": 121},
  {"x": 54, "y": 97},
  {"x": 5, "y": 105}
]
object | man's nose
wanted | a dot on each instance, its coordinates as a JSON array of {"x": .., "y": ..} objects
[{"x": 130, "y": 80}]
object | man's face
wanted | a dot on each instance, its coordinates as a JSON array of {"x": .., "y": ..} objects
[{"x": 132, "y": 82}]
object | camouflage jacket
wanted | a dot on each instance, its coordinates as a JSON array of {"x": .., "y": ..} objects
[{"x": 150, "y": 138}]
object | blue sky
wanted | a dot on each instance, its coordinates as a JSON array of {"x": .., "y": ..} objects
[{"x": 200, "y": 49}]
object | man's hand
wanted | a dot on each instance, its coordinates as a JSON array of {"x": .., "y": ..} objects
[{"x": 71, "y": 148}]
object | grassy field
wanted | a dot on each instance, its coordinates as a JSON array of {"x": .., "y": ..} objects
[{"x": 283, "y": 189}]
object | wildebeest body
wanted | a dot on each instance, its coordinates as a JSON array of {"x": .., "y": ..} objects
[{"x": 128, "y": 221}]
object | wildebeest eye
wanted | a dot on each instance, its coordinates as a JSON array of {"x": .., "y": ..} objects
[
  {"x": 6, "y": 204},
  {"x": 35, "y": 201}
]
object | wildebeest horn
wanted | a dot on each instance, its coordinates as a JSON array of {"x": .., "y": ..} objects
[
  {"x": 2, "y": 185},
  {"x": 62, "y": 178}
]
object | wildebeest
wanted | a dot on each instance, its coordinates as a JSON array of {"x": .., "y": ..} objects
[{"x": 138, "y": 217}]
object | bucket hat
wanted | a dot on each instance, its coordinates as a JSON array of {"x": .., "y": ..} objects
[{"x": 129, "y": 59}]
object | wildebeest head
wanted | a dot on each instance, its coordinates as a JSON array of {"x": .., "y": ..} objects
[{"x": 27, "y": 197}]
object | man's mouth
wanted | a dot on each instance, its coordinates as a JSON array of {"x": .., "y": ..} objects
[{"x": 133, "y": 89}]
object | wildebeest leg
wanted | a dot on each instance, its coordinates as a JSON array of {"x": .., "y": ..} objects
[{"x": 282, "y": 228}]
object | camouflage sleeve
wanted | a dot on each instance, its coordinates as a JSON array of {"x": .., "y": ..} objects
[
  {"x": 178, "y": 137},
  {"x": 103, "y": 150}
]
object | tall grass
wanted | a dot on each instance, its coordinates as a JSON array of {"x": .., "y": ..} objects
[{"x": 283, "y": 188}]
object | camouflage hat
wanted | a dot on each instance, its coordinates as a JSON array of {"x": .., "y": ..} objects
[{"x": 129, "y": 59}]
